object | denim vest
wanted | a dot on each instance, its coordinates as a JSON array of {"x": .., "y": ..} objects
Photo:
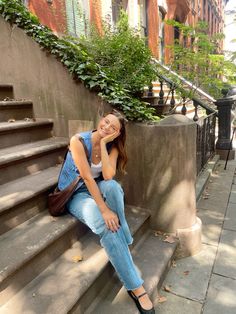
[{"x": 69, "y": 171}]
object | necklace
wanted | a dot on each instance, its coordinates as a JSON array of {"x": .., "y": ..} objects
[
  {"x": 96, "y": 149},
  {"x": 97, "y": 153}
]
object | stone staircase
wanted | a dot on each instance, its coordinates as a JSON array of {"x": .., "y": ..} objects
[
  {"x": 39, "y": 267},
  {"x": 163, "y": 109}
]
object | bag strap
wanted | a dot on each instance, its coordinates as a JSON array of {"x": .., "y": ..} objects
[
  {"x": 86, "y": 152},
  {"x": 85, "y": 147}
]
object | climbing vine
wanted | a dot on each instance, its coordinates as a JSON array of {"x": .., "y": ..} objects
[{"x": 79, "y": 63}]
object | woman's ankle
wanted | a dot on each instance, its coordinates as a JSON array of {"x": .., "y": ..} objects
[{"x": 139, "y": 291}]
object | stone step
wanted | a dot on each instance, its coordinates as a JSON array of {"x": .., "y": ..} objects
[
  {"x": 20, "y": 132},
  {"x": 6, "y": 91},
  {"x": 15, "y": 110},
  {"x": 31, "y": 247},
  {"x": 156, "y": 91},
  {"x": 64, "y": 283},
  {"x": 157, "y": 84},
  {"x": 166, "y": 94},
  {"x": 30, "y": 158},
  {"x": 155, "y": 99},
  {"x": 165, "y": 109},
  {"x": 153, "y": 258},
  {"x": 177, "y": 98},
  {"x": 25, "y": 197}
]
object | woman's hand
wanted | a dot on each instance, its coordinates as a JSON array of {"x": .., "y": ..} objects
[
  {"x": 111, "y": 220},
  {"x": 110, "y": 137}
]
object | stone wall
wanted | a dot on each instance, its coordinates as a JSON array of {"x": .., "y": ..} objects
[
  {"x": 161, "y": 172},
  {"x": 44, "y": 80}
]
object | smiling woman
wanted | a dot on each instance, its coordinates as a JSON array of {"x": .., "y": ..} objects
[{"x": 98, "y": 200}]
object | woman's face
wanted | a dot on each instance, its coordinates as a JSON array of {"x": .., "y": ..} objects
[{"x": 108, "y": 125}]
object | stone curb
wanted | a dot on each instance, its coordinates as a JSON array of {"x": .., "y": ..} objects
[{"x": 204, "y": 176}]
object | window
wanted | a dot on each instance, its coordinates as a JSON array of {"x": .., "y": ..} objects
[
  {"x": 143, "y": 17},
  {"x": 25, "y": 2},
  {"x": 77, "y": 16},
  {"x": 176, "y": 33},
  {"x": 204, "y": 10},
  {"x": 161, "y": 34},
  {"x": 116, "y": 7}
]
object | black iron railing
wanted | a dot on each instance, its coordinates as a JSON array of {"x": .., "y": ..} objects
[
  {"x": 203, "y": 110},
  {"x": 205, "y": 141}
]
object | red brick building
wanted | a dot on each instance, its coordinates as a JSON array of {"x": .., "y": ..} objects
[{"x": 74, "y": 16}]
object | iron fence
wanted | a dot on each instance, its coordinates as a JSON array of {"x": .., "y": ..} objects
[{"x": 205, "y": 141}]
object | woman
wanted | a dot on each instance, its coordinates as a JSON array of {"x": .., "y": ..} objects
[{"x": 98, "y": 200}]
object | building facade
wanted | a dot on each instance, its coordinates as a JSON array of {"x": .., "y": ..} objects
[
  {"x": 230, "y": 27},
  {"x": 75, "y": 16}
]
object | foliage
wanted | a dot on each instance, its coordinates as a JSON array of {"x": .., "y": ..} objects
[
  {"x": 122, "y": 53},
  {"x": 233, "y": 53},
  {"x": 198, "y": 61},
  {"x": 77, "y": 60}
]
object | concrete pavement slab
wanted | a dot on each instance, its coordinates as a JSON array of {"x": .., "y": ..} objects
[
  {"x": 204, "y": 176},
  {"x": 226, "y": 256},
  {"x": 191, "y": 275},
  {"x": 221, "y": 173},
  {"x": 214, "y": 203},
  {"x": 221, "y": 296},
  {"x": 177, "y": 305},
  {"x": 232, "y": 198},
  {"x": 230, "y": 219},
  {"x": 212, "y": 222},
  {"x": 233, "y": 188}
]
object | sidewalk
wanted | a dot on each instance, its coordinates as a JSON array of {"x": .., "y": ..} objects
[{"x": 206, "y": 283}]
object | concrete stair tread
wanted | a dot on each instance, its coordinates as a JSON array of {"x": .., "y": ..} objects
[
  {"x": 6, "y": 85},
  {"x": 152, "y": 257},
  {"x": 26, "y": 240},
  {"x": 13, "y": 103},
  {"x": 14, "y": 153},
  {"x": 19, "y": 190},
  {"x": 63, "y": 282},
  {"x": 21, "y": 124}
]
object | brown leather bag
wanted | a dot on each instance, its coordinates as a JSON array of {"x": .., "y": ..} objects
[{"x": 57, "y": 199}]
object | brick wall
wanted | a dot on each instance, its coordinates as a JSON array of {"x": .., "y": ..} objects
[
  {"x": 153, "y": 27},
  {"x": 51, "y": 13},
  {"x": 96, "y": 13}
]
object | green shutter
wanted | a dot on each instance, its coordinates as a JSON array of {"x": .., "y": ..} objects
[{"x": 76, "y": 17}]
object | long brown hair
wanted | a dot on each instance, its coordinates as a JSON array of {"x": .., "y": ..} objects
[{"x": 119, "y": 142}]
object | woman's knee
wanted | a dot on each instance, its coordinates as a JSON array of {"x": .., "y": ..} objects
[
  {"x": 86, "y": 210},
  {"x": 99, "y": 227},
  {"x": 110, "y": 187}
]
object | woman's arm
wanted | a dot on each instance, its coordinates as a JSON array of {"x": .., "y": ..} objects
[
  {"x": 109, "y": 160},
  {"x": 81, "y": 162}
]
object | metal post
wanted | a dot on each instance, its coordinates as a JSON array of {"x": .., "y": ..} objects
[{"x": 223, "y": 143}]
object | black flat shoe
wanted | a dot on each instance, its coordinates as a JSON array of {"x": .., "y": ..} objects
[{"x": 139, "y": 306}]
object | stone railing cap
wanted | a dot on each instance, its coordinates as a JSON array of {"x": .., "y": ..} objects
[{"x": 176, "y": 119}]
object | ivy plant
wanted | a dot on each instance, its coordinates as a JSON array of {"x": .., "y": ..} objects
[{"x": 79, "y": 63}]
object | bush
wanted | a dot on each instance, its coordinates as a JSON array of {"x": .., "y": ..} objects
[
  {"x": 123, "y": 54},
  {"x": 199, "y": 60}
]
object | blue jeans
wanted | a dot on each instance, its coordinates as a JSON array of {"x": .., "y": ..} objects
[{"x": 84, "y": 208}]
